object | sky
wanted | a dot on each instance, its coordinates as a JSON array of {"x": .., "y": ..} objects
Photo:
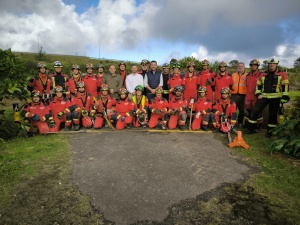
[{"x": 129, "y": 30}]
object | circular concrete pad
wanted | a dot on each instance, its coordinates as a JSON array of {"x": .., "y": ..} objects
[{"x": 133, "y": 176}]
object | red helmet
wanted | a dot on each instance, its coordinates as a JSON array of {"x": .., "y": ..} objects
[
  {"x": 159, "y": 90},
  {"x": 99, "y": 65},
  {"x": 225, "y": 90},
  {"x": 205, "y": 62},
  {"x": 190, "y": 64},
  {"x": 80, "y": 84},
  {"x": 104, "y": 87},
  {"x": 75, "y": 66},
  {"x": 202, "y": 89},
  {"x": 123, "y": 91},
  {"x": 40, "y": 65},
  {"x": 59, "y": 89},
  {"x": 36, "y": 93},
  {"x": 222, "y": 64},
  {"x": 89, "y": 65}
]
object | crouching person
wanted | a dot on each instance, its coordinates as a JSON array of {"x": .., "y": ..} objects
[
  {"x": 60, "y": 111},
  {"x": 141, "y": 104},
  {"x": 81, "y": 105},
  {"x": 37, "y": 113},
  {"x": 124, "y": 110},
  {"x": 159, "y": 108},
  {"x": 224, "y": 112},
  {"x": 177, "y": 109},
  {"x": 202, "y": 108}
]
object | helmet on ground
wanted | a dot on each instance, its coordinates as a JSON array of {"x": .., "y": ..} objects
[
  {"x": 190, "y": 64},
  {"x": 205, "y": 62},
  {"x": 273, "y": 61},
  {"x": 59, "y": 89},
  {"x": 122, "y": 63},
  {"x": 36, "y": 93},
  {"x": 166, "y": 65},
  {"x": 123, "y": 91},
  {"x": 159, "y": 90},
  {"x": 104, "y": 87},
  {"x": 80, "y": 84},
  {"x": 176, "y": 65},
  {"x": 89, "y": 65},
  {"x": 254, "y": 62},
  {"x": 139, "y": 88},
  {"x": 144, "y": 62},
  {"x": 57, "y": 64},
  {"x": 75, "y": 66},
  {"x": 40, "y": 65},
  {"x": 178, "y": 88},
  {"x": 225, "y": 90},
  {"x": 99, "y": 65},
  {"x": 202, "y": 89},
  {"x": 222, "y": 64}
]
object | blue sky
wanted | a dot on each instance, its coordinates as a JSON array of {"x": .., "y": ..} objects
[{"x": 155, "y": 29}]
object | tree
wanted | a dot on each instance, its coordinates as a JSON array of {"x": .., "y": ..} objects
[
  {"x": 264, "y": 66},
  {"x": 297, "y": 63},
  {"x": 234, "y": 63},
  {"x": 184, "y": 61}
]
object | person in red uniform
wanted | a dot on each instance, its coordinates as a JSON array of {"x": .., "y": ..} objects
[
  {"x": 202, "y": 108},
  {"x": 141, "y": 105},
  {"x": 224, "y": 109},
  {"x": 190, "y": 82},
  {"x": 175, "y": 79},
  {"x": 177, "y": 109},
  {"x": 40, "y": 82},
  {"x": 37, "y": 113},
  {"x": 104, "y": 103},
  {"x": 251, "y": 97},
  {"x": 100, "y": 74},
  {"x": 122, "y": 71},
  {"x": 73, "y": 81},
  {"x": 206, "y": 79},
  {"x": 60, "y": 111},
  {"x": 124, "y": 110},
  {"x": 81, "y": 105},
  {"x": 222, "y": 79},
  {"x": 92, "y": 84},
  {"x": 159, "y": 110},
  {"x": 58, "y": 78}
]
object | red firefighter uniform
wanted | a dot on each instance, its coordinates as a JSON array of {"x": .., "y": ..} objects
[
  {"x": 221, "y": 81},
  {"x": 123, "y": 113},
  {"x": 190, "y": 86},
  {"x": 203, "y": 109},
  {"x": 37, "y": 113},
  {"x": 103, "y": 103},
  {"x": 60, "y": 111},
  {"x": 159, "y": 108},
  {"x": 39, "y": 83},
  {"x": 92, "y": 84},
  {"x": 81, "y": 106},
  {"x": 177, "y": 111},
  {"x": 174, "y": 81},
  {"x": 206, "y": 79},
  {"x": 141, "y": 105},
  {"x": 72, "y": 83}
]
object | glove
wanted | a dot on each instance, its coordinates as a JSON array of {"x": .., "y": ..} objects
[
  {"x": 285, "y": 99},
  {"x": 192, "y": 101},
  {"x": 174, "y": 111},
  {"x": 60, "y": 115},
  {"x": 198, "y": 115},
  {"x": 35, "y": 118},
  {"x": 84, "y": 113},
  {"x": 158, "y": 111},
  {"x": 51, "y": 123},
  {"x": 123, "y": 118}
]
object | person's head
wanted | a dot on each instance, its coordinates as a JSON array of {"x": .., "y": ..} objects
[
  {"x": 75, "y": 69},
  {"x": 104, "y": 89},
  {"x": 59, "y": 91},
  {"x": 80, "y": 87},
  {"x": 112, "y": 69},
  {"x": 144, "y": 64},
  {"x": 241, "y": 67},
  {"x": 225, "y": 92},
  {"x": 202, "y": 92},
  {"x": 139, "y": 90},
  {"x": 166, "y": 68},
  {"x": 176, "y": 68},
  {"x": 134, "y": 68},
  {"x": 36, "y": 96},
  {"x": 254, "y": 64},
  {"x": 89, "y": 68},
  {"x": 100, "y": 68},
  {"x": 272, "y": 65},
  {"x": 57, "y": 67},
  {"x": 123, "y": 93},
  {"x": 205, "y": 64},
  {"x": 222, "y": 66},
  {"x": 178, "y": 91},
  {"x": 41, "y": 66},
  {"x": 122, "y": 66},
  {"x": 153, "y": 65},
  {"x": 159, "y": 91},
  {"x": 190, "y": 67}
]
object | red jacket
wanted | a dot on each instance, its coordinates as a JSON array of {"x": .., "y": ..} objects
[
  {"x": 175, "y": 80},
  {"x": 202, "y": 105},
  {"x": 203, "y": 76},
  {"x": 57, "y": 105},
  {"x": 72, "y": 83},
  {"x": 40, "y": 109},
  {"x": 228, "y": 107},
  {"x": 161, "y": 104},
  {"x": 180, "y": 104},
  {"x": 251, "y": 80},
  {"x": 190, "y": 85},
  {"x": 221, "y": 82},
  {"x": 92, "y": 84},
  {"x": 40, "y": 83},
  {"x": 106, "y": 102},
  {"x": 80, "y": 102},
  {"x": 124, "y": 107}
]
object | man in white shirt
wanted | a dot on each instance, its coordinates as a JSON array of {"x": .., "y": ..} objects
[{"x": 132, "y": 80}]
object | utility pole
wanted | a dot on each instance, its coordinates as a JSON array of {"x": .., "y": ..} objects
[
  {"x": 38, "y": 42},
  {"x": 99, "y": 48}
]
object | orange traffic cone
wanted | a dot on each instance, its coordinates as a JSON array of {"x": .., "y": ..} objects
[{"x": 239, "y": 141}]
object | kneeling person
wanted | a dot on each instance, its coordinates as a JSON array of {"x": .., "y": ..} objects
[{"x": 141, "y": 104}]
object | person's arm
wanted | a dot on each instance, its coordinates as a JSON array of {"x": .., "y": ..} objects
[{"x": 161, "y": 81}]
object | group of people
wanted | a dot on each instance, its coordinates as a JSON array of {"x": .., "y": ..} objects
[{"x": 149, "y": 97}]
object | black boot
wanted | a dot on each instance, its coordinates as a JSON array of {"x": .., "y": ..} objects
[{"x": 76, "y": 127}]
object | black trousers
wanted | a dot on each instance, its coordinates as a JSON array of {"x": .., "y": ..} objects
[{"x": 240, "y": 104}]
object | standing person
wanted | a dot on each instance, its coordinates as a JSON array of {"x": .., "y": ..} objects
[
  {"x": 132, "y": 80},
  {"x": 141, "y": 105},
  {"x": 152, "y": 80},
  {"x": 100, "y": 74},
  {"x": 114, "y": 81},
  {"x": 159, "y": 109},
  {"x": 166, "y": 77},
  {"x": 222, "y": 79},
  {"x": 271, "y": 89},
  {"x": 202, "y": 108},
  {"x": 251, "y": 97},
  {"x": 60, "y": 111},
  {"x": 177, "y": 109},
  {"x": 40, "y": 82},
  {"x": 175, "y": 80},
  {"x": 37, "y": 113},
  {"x": 206, "y": 78},
  {"x": 123, "y": 111},
  {"x": 238, "y": 92},
  {"x": 144, "y": 65},
  {"x": 58, "y": 78},
  {"x": 92, "y": 84},
  {"x": 74, "y": 79},
  {"x": 190, "y": 82},
  {"x": 122, "y": 71}
]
